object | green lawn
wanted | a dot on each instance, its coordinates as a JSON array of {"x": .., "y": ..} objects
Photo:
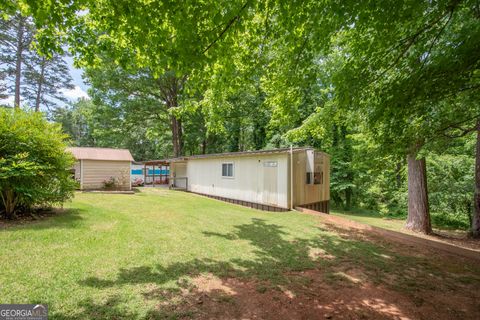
[
  {"x": 106, "y": 253},
  {"x": 371, "y": 218},
  {"x": 397, "y": 223}
]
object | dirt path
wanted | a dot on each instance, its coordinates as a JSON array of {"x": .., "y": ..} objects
[{"x": 399, "y": 237}]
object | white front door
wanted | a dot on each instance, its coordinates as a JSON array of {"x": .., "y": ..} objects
[{"x": 270, "y": 182}]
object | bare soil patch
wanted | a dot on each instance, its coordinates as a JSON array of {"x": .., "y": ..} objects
[
  {"x": 454, "y": 237},
  {"x": 313, "y": 295}
]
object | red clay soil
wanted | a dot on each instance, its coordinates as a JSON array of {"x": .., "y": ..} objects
[
  {"x": 311, "y": 296},
  {"x": 459, "y": 238}
]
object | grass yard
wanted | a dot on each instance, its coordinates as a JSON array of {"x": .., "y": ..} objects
[
  {"x": 165, "y": 254},
  {"x": 439, "y": 221},
  {"x": 372, "y": 218},
  {"x": 443, "y": 231}
]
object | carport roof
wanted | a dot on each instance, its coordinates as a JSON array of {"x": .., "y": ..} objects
[{"x": 110, "y": 154}]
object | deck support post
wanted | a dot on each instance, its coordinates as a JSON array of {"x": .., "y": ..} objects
[
  {"x": 291, "y": 177},
  {"x": 153, "y": 172}
]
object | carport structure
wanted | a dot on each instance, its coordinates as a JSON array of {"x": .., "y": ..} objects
[{"x": 156, "y": 172}]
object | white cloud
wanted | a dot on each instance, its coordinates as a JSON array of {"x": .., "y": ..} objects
[{"x": 75, "y": 93}]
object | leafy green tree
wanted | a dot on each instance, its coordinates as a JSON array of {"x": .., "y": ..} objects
[
  {"x": 89, "y": 123},
  {"x": 181, "y": 39},
  {"x": 34, "y": 166},
  {"x": 134, "y": 101},
  {"x": 397, "y": 64},
  {"x": 451, "y": 183},
  {"x": 408, "y": 78},
  {"x": 75, "y": 120}
]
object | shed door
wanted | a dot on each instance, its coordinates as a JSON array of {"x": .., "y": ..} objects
[{"x": 270, "y": 177}]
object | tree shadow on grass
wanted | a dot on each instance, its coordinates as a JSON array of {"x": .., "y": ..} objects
[
  {"x": 57, "y": 218},
  {"x": 342, "y": 260}
]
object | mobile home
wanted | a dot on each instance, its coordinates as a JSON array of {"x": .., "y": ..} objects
[{"x": 275, "y": 180}]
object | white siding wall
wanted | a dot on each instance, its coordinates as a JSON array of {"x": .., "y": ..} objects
[{"x": 205, "y": 176}]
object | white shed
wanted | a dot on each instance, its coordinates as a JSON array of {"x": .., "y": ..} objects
[
  {"x": 275, "y": 180},
  {"x": 94, "y": 166}
]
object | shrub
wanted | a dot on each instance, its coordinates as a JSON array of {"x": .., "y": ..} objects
[
  {"x": 450, "y": 189},
  {"x": 138, "y": 182},
  {"x": 110, "y": 183},
  {"x": 34, "y": 166}
]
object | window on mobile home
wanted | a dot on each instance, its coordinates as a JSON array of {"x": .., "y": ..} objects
[
  {"x": 314, "y": 177},
  {"x": 227, "y": 170}
]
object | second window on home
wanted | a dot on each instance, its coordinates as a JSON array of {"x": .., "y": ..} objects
[{"x": 227, "y": 169}]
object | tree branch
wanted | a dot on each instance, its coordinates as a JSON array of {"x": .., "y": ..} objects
[
  {"x": 437, "y": 37},
  {"x": 410, "y": 41},
  {"x": 230, "y": 23},
  {"x": 302, "y": 48},
  {"x": 457, "y": 126},
  {"x": 463, "y": 133}
]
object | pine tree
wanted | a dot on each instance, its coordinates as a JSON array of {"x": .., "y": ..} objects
[
  {"x": 44, "y": 80},
  {"x": 3, "y": 87},
  {"x": 30, "y": 77},
  {"x": 16, "y": 35}
]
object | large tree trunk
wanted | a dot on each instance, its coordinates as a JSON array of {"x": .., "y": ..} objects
[
  {"x": 19, "y": 60},
  {"x": 180, "y": 136},
  {"x": 476, "y": 196},
  {"x": 170, "y": 87},
  {"x": 418, "y": 211},
  {"x": 176, "y": 126},
  {"x": 204, "y": 145},
  {"x": 40, "y": 86}
]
